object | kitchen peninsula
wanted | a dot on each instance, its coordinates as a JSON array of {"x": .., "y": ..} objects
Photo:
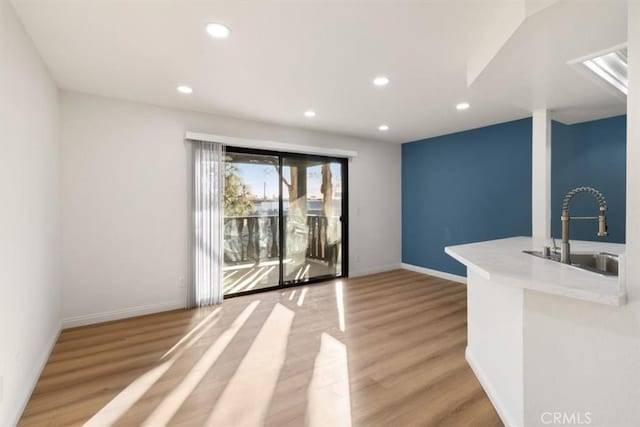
[{"x": 536, "y": 326}]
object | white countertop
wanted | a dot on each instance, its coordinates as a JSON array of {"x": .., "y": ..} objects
[{"x": 502, "y": 261}]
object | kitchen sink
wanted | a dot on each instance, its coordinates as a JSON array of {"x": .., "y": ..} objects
[{"x": 597, "y": 262}]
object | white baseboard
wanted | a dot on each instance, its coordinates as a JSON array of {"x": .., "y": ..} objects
[
  {"x": 502, "y": 411},
  {"x": 435, "y": 273},
  {"x": 374, "y": 270},
  {"x": 106, "y": 316},
  {"x": 36, "y": 371}
]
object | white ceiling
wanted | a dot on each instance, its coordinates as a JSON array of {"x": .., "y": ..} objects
[{"x": 284, "y": 57}]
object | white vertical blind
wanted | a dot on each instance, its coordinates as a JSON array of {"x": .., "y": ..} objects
[{"x": 208, "y": 217}]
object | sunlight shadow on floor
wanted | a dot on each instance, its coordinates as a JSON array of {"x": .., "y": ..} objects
[
  {"x": 246, "y": 398},
  {"x": 340, "y": 304},
  {"x": 172, "y": 402},
  {"x": 201, "y": 324},
  {"x": 303, "y": 293},
  {"x": 329, "y": 399},
  {"x": 128, "y": 397}
]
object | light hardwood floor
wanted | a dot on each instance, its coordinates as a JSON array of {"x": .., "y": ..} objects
[{"x": 380, "y": 350}]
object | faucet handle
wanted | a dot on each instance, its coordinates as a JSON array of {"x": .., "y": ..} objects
[{"x": 555, "y": 247}]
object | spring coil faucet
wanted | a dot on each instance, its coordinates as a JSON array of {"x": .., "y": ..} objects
[{"x": 565, "y": 254}]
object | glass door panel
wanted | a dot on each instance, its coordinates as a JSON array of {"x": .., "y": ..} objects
[
  {"x": 251, "y": 222},
  {"x": 312, "y": 218}
]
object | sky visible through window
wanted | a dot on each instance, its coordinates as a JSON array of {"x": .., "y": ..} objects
[{"x": 262, "y": 180}]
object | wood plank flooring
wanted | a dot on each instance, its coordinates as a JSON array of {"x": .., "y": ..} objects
[{"x": 379, "y": 350}]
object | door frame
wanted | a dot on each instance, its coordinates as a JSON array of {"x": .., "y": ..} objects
[{"x": 344, "y": 167}]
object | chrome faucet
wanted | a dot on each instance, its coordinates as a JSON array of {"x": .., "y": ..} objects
[{"x": 565, "y": 250}]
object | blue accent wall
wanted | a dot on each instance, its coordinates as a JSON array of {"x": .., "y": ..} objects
[
  {"x": 590, "y": 154},
  {"x": 465, "y": 187}
]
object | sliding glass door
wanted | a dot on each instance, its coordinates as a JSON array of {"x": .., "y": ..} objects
[
  {"x": 285, "y": 221},
  {"x": 251, "y": 222},
  {"x": 312, "y": 218}
]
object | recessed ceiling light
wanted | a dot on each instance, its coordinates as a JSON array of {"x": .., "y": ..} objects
[
  {"x": 218, "y": 31},
  {"x": 612, "y": 67},
  {"x": 309, "y": 113},
  {"x": 383, "y": 128},
  {"x": 185, "y": 90},
  {"x": 381, "y": 81},
  {"x": 462, "y": 106}
]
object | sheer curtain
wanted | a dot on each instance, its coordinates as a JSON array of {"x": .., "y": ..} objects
[{"x": 208, "y": 218}]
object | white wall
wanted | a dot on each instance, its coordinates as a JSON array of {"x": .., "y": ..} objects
[
  {"x": 29, "y": 216},
  {"x": 495, "y": 343},
  {"x": 581, "y": 357},
  {"x": 633, "y": 158},
  {"x": 541, "y": 177},
  {"x": 125, "y": 202}
]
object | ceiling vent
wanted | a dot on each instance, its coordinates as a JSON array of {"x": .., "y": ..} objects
[{"x": 609, "y": 67}]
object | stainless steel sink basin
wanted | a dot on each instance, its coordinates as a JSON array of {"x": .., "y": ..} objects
[{"x": 597, "y": 262}]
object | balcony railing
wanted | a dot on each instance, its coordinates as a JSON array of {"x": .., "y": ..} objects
[{"x": 256, "y": 238}]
